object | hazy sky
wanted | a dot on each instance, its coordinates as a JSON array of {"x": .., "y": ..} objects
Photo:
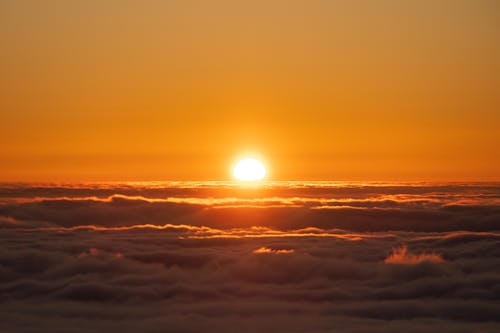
[{"x": 141, "y": 90}]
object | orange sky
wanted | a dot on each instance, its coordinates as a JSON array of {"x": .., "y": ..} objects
[{"x": 325, "y": 90}]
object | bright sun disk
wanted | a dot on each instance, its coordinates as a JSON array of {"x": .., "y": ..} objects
[{"x": 249, "y": 169}]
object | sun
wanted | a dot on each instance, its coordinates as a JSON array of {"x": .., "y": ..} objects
[{"x": 249, "y": 169}]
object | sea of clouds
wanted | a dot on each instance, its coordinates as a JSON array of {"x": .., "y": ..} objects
[{"x": 218, "y": 257}]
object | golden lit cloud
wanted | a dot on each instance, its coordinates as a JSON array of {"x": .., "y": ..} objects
[
  {"x": 262, "y": 250},
  {"x": 402, "y": 256}
]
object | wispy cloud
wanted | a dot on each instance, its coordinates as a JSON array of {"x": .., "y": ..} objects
[
  {"x": 262, "y": 250},
  {"x": 402, "y": 256}
]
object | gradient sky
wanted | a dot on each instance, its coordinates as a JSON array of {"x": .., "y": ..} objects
[{"x": 332, "y": 90}]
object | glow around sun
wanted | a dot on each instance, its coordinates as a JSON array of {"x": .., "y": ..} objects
[{"x": 249, "y": 169}]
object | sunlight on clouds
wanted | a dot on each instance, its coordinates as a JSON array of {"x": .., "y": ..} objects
[
  {"x": 401, "y": 256},
  {"x": 262, "y": 250}
]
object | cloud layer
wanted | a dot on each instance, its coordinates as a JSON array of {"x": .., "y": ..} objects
[
  {"x": 104, "y": 259},
  {"x": 357, "y": 207}
]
